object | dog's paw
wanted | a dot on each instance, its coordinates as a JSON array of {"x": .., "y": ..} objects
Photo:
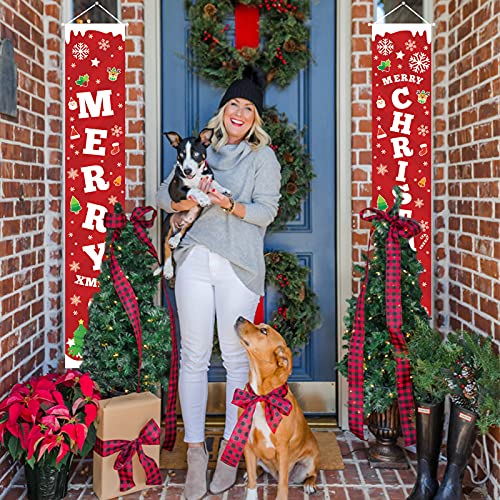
[
  {"x": 252, "y": 494},
  {"x": 310, "y": 486},
  {"x": 168, "y": 269},
  {"x": 174, "y": 241},
  {"x": 199, "y": 196},
  {"x": 203, "y": 200}
]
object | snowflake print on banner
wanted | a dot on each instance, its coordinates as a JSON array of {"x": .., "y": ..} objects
[
  {"x": 382, "y": 169},
  {"x": 104, "y": 44},
  {"x": 75, "y": 300},
  {"x": 72, "y": 174},
  {"x": 423, "y": 130},
  {"x": 74, "y": 266},
  {"x": 410, "y": 45},
  {"x": 80, "y": 51},
  {"x": 419, "y": 62},
  {"x": 385, "y": 47},
  {"x": 117, "y": 131},
  {"x": 424, "y": 225}
]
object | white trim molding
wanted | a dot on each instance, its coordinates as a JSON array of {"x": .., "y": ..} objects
[
  {"x": 344, "y": 182},
  {"x": 152, "y": 98}
]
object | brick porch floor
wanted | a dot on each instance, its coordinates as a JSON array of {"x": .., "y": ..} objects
[{"x": 356, "y": 481}]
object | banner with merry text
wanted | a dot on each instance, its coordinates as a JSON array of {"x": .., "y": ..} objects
[
  {"x": 94, "y": 159},
  {"x": 401, "y": 130}
]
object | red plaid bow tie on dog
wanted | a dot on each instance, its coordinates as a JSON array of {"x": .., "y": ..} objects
[
  {"x": 276, "y": 405},
  {"x": 150, "y": 434},
  {"x": 118, "y": 221},
  {"x": 399, "y": 228}
]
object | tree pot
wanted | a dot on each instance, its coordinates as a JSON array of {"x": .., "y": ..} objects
[
  {"x": 45, "y": 482},
  {"x": 386, "y": 427}
]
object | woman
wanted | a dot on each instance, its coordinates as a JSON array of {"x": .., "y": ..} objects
[{"x": 220, "y": 266}]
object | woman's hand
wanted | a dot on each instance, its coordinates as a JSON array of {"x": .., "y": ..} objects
[{"x": 219, "y": 199}]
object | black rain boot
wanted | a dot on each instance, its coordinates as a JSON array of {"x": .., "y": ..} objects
[
  {"x": 429, "y": 436},
  {"x": 462, "y": 434}
]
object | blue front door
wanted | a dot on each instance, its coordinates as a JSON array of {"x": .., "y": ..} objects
[{"x": 309, "y": 101}]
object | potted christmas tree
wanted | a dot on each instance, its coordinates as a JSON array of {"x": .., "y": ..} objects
[
  {"x": 110, "y": 347},
  {"x": 379, "y": 357}
]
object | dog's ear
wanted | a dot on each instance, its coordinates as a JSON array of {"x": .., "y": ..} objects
[
  {"x": 206, "y": 136},
  {"x": 174, "y": 138},
  {"x": 283, "y": 356}
]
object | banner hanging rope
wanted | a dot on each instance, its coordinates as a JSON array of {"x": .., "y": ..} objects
[
  {"x": 402, "y": 4},
  {"x": 93, "y": 6}
]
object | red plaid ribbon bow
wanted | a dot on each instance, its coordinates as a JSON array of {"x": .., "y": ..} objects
[
  {"x": 118, "y": 221},
  {"x": 399, "y": 228},
  {"x": 276, "y": 405},
  {"x": 150, "y": 434}
]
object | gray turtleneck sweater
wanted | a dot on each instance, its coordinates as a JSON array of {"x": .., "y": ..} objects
[{"x": 254, "y": 179}]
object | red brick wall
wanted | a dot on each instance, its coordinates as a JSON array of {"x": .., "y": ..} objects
[
  {"x": 31, "y": 187},
  {"x": 28, "y": 201},
  {"x": 466, "y": 168}
]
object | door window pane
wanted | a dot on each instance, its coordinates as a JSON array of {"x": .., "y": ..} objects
[
  {"x": 95, "y": 15},
  {"x": 402, "y": 15}
]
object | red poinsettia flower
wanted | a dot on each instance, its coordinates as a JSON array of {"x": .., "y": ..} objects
[
  {"x": 52, "y": 441},
  {"x": 50, "y": 413},
  {"x": 76, "y": 432},
  {"x": 90, "y": 413}
]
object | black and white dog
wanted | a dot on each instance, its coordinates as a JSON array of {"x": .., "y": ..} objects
[{"x": 191, "y": 167}]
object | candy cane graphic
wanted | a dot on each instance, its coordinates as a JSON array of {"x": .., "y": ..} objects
[{"x": 424, "y": 238}]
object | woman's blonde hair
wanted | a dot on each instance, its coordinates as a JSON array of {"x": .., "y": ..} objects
[{"x": 257, "y": 137}]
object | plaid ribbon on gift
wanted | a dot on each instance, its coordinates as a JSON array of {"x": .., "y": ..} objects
[
  {"x": 118, "y": 221},
  {"x": 399, "y": 227},
  {"x": 150, "y": 434},
  {"x": 275, "y": 406}
]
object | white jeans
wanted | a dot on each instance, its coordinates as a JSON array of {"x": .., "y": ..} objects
[{"x": 206, "y": 287}]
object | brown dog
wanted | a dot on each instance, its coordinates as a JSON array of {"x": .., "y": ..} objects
[{"x": 291, "y": 452}]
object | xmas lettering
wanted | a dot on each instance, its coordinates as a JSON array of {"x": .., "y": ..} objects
[{"x": 86, "y": 281}]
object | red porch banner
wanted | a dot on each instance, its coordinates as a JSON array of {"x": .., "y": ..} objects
[
  {"x": 94, "y": 158},
  {"x": 401, "y": 130}
]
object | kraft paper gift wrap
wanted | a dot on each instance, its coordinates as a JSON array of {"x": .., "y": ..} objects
[{"x": 123, "y": 418}]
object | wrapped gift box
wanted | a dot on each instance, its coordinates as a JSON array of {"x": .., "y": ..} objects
[{"x": 120, "y": 421}]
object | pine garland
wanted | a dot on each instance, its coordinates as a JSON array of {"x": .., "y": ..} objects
[
  {"x": 474, "y": 377},
  {"x": 297, "y": 314},
  {"x": 283, "y": 27},
  {"x": 428, "y": 358}
]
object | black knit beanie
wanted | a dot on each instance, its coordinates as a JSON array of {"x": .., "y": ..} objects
[{"x": 250, "y": 87}]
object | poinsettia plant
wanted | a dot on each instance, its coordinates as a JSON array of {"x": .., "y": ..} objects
[{"x": 50, "y": 418}]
